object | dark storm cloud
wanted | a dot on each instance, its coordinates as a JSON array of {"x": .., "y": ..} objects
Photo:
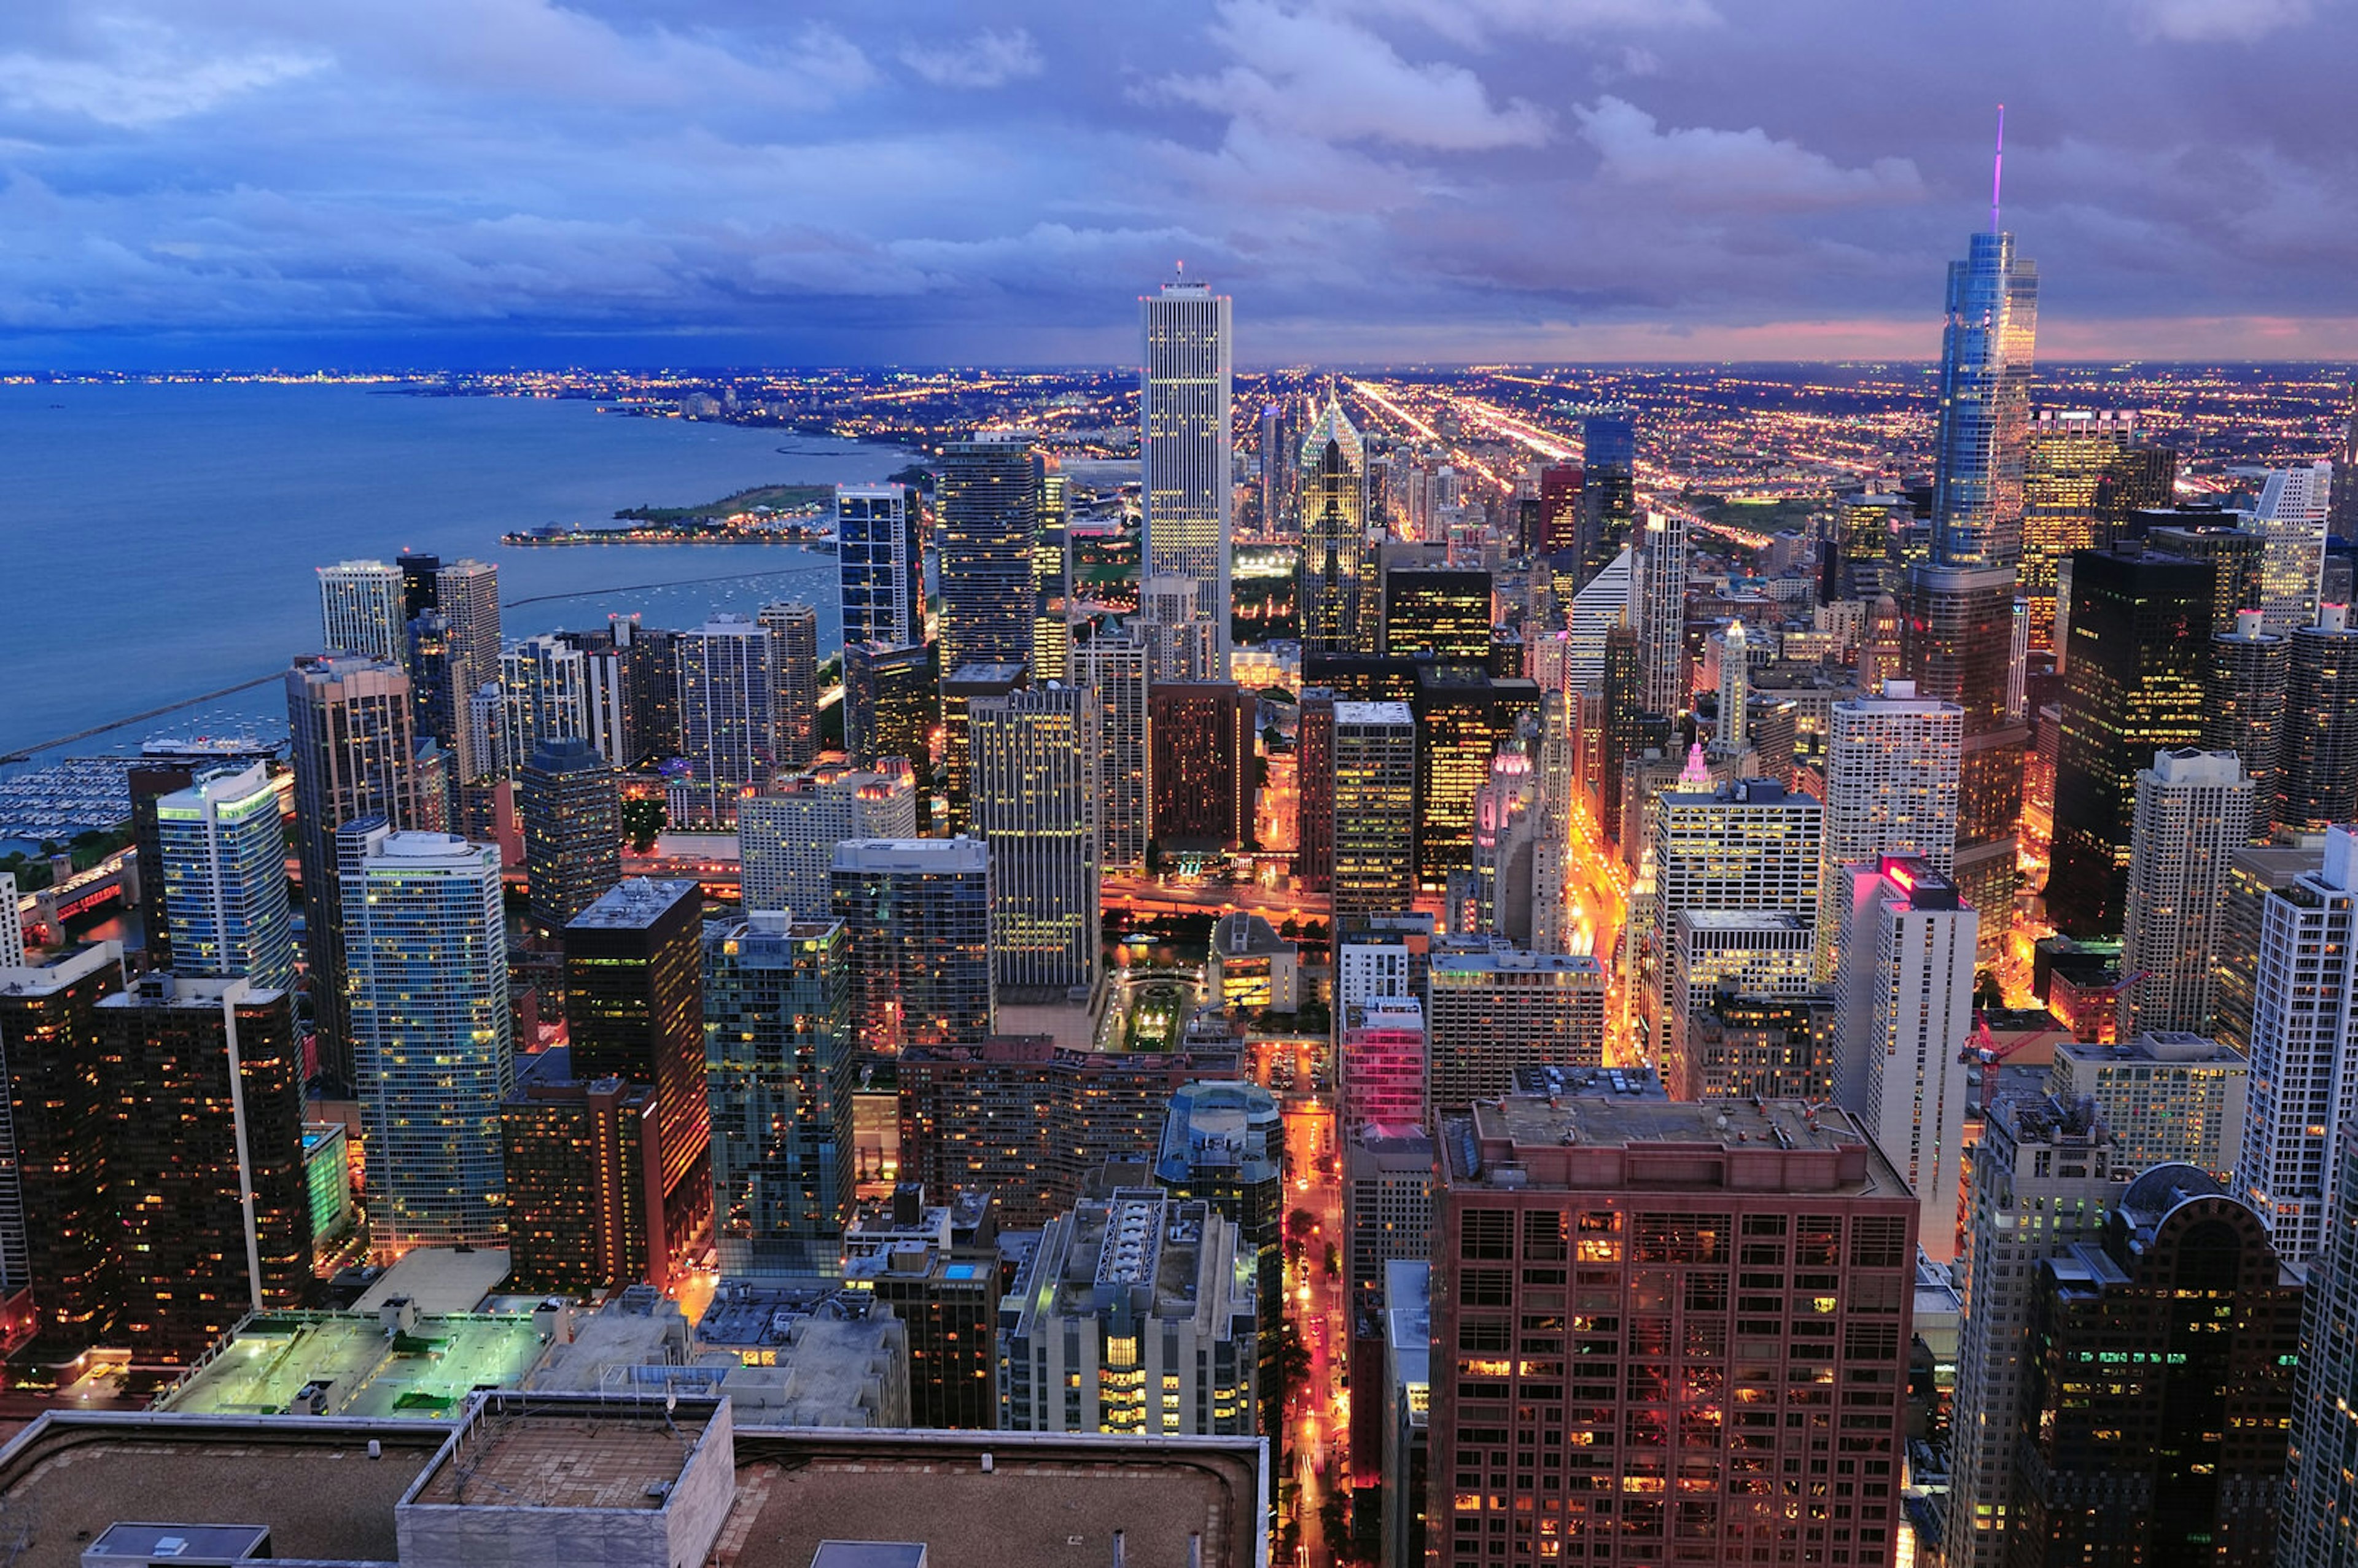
[{"x": 197, "y": 180}]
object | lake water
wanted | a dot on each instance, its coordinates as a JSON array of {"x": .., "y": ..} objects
[{"x": 158, "y": 541}]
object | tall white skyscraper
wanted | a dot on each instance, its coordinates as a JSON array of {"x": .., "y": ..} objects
[
  {"x": 1184, "y": 393},
  {"x": 467, "y": 593},
  {"x": 1891, "y": 789},
  {"x": 427, "y": 960},
  {"x": 2304, "y": 1055},
  {"x": 360, "y": 610},
  {"x": 1750, "y": 844},
  {"x": 545, "y": 683},
  {"x": 1735, "y": 690},
  {"x": 1115, "y": 667},
  {"x": 1603, "y": 604},
  {"x": 1036, "y": 805},
  {"x": 2193, "y": 810},
  {"x": 787, "y": 836},
  {"x": 1662, "y": 613},
  {"x": 223, "y": 879},
  {"x": 2290, "y": 516},
  {"x": 1904, "y": 994},
  {"x": 728, "y": 723}
]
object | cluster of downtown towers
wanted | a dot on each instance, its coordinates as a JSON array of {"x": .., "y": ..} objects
[{"x": 2052, "y": 663}]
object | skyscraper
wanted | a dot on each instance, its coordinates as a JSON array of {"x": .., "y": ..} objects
[
  {"x": 779, "y": 1053},
  {"x": 545, "y": 683},
  {"x": 1662, "y": 606},
  {"x": 1981, "y": 444},
  {"x": 2290, "y": 514},
  {"x": 585, "y": 1215},
  {"x": 880, "y": 563},
  {"x": 787, "y": 836},
  {"x": 1489, "y": 1013},
  {"x": 360, "y": 610},
  {"x": 1441, "y": 613},
  {"x": 2244, "y": 706},
  {"x": 961, "y": 690},
  {"x": 1608, "y": 493},
  {"x": 1114, "y": 666},
  {"x": 2140, "y": 649},
  {"x": 1750, "y": 844},
  {"x": 1201, "y": 739},
  {"x": 990, "y": 509},
  {"x": 1224, "y": 1144},
  {"x": 1184, "y": 400},
  {"x": 793, "y": 634},
  {"x": 2321, "y": 1490},
  {"x": 1464, "y": 716},
  {"x": 1735, "y": 690},
  {"x": 2320, "y": 743},
  {"x": 467, "y": 592},
  {"x": 1891, "y": 789},
  {"x": 1036, "y": 798},
  {"x": 569, "y": 804},
  {"x": 56, "y": 1229},
  {"x": 890, "y": 704},
  {"x": 351, "y": 748},
  {"x": 1372, "y": 808},
  {"x": 727, "y": 717},
  {"x": 2193, "y": 810},
  {"x": 420, "y": 591},
  {"x": 1334, "y": 503},
  {"x": 916, "y": 927},
  {"x": 2170, "y": 1098},
  {"x": 2068, "y": 454},
  {"x": 432, "y": 1052},
  {"x": 221, "y": 880}
]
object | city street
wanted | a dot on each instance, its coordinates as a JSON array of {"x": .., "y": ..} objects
[{"x": 1317, "y": 1413}]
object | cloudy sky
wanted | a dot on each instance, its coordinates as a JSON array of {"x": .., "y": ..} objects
[{"x": 485, "y": 182}]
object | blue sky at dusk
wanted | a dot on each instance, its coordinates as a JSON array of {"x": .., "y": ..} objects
[{"x": 486, "y": 182}]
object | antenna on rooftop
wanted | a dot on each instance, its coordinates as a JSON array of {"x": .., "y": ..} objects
[{"x": 1997, "y": 168}]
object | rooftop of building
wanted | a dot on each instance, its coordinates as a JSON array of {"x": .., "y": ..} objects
[
  {"x": 1739, "y": 792},
  {"x": 1220, "y": 1126},
  {"x": 1741, "y": 919},
  {"x": 1510, "y": 960},
  {"x": 354, "y": 1366},
  {"x": 1389, "y": 713},
  {"x": 439, "y": 1279},
  {"x": 1408, "y": 1315},
  {"x": 640, "y": 1327},
  {"x": 1246, "y": 935},
  {"x": 1545, "y": 1079},
  {"x": 1139, "y": 1240},
  {"x": 1536, "y": 1142},
  {"x": 61, "y": 970},
  {"x": 2037, "y": 1116},
  {"x": 940, "y": 856},
  {"x": 637, "y": 902},
  {"x": 161, "y": 988},
  {"x": 2175, "y": 1047},
  {"x": 511, "y": 1452},
  {"x": 984, "y": 674}
]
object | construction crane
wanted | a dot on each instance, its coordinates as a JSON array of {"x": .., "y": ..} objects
[{"x": 1982, "y": 1050}]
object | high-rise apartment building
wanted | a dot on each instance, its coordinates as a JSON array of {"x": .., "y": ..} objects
[
  {"x": 583, "y": 1162},
  {"x": 2193, "y": 809},
  {"x": 1036, "y": 798},
  {"x": 2290, "y": 512},
  {"x": 56, "y": 1228},
  {"x": 1661, "y": 600},
  {"x": 1371, "y": 819},
  {"x": 635, "y": 1010},
  {"x": 1200, "y": 736},
  {"x": 1777, "y": 1047},
  {"x": 2169, "y": 1097},
  {"x": 467, "y": 592},
  {"x": 2138, "y": 649},
  {"x": 1224, "y": 1144},
  {"x": 881, "y": 564},
  {"x": 433, "y": 1056},
  {"x": 1749, "y": 845},
  {"x": 890, "y": 703},
  {"x": 1464, "y": 716},
  {"x": 2320, "y": 746},
  {"x": 727, "y": 718},
  {"x": 545, "y": 681},
  {"x": 2321, "y": 1489},
  {"x": 2252, "y": 875},
  {"x": 2243, "y": 708},
  {"x": 1333, "y": 468},
  {"x": 936, "y": 1266},
  {"x": 351, "y": 746},
  {"x": 1903, "y": 976},
  {"x": 361, "y": 610},
  {"x": 787, "y": 836},
  {"x": 1113, "y": 665},
  {"x": 794, "y": 652},
  {"x": 1185, "y": 478},
  {"x": 219, "y": 878},
  {"x": 2042, "y": 1159},
  {"x": 780, "y": 1080},
  {"x": 1489, "y": 1013},
  {"x": 1679, "y": 1406},
  {"x": 1387, "y": 1208},
  {"x": 916, "y": 930},
  {"x": 569, "y": 806},
  {"x": 2304, "y": 1053},
  {"x": 989, "y": 508},
  {"x": 1892, "y": 770}
]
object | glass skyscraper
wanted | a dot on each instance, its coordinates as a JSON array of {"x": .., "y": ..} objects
[
  {"x": 1986, "y": 352},
  {"x": 1333, "y": 491},
  {"x": 880, "y": 563},
  {"x": 223, "y": 880},
  {"x": 990, "y": 522},
  {"x": 916, "y": 923},
  {"x": 1185, "y": 395}
]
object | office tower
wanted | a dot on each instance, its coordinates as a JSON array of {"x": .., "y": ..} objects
[
  {"x": 1185, "y": 481},
  {"x": 2168, "y": 1097},
  {"x": 56, "y": 1230},
  {"x": 2194, "y": 809},
  {"x": 989, "y": 516},
  {"x": 420, "y": 591},
  {"x": 1334, "y": 507},
  {"x": 1735, "y": 690},
  {"x": 1600, "y": 606},
  {"x": 2041, "y": 1157},
  {"x": 1052, "y": 578},
  {"x": 1386, "y": 1207},
  {"x": 1274, "y": 456},
  {"x": 1892, "y": 765},
  {"x": 2235, "y": 556},
  {"x": 656, "y": 720},
  {"x": 351, "y": 748},
  {"x": 794, "y": 632},
  {"x": 1660, "y": 601},
  {"x": 569, "y": 802},
  {"x": 1374, "y": 817},
  {"x": 219, "y": 880},
  {"x": 1560, "y": 486},
  {"x": 916, "y": 930},
  {"x": 1379, "y": 1062},
  {"x": 360, "y": 610},
  {"x": 2321, "y": 744},
  {"x": 727, "y": 717},
  {"x": 202, "y": 1124},
  {"x": 2303, "y": 1052},
  {"x": 880, "y": 563},
  {"x": 1816, "y": 1211},
  {"x": 1201, "y": 739},
  {"x": 2189, "y": 1430},
  {"x": 1224, "y": 1144},
  {"x": 2066, "y": 457},
  {"x": 1464, "y": 716},
  {"x": 438, "y": 681},
  {"x": 1777, "y": 1047},
  {"x": 1748, "y": 845},
  {"x": 1904, "y": 979},
  {"x": 1442, "y": 613},
  {"x": 962, "y": 689},
  {"x": 1957, "y": 639},
  {"x": 1314, "y": 771},
  {"x": 1032, "y": 1121},
  {"x": 582, "y": 1161},
  {"x": 467, "y": 592},
  {"x": 890, "y": 704},
  {"x": 2290, "y": 514},
  {"x": 1134, "y": 1314},
  {"x": 2139, "y": 648},
  {"x": 1180, "y": 645},
  {"x": 545, "y": 683},
  {"x": 2243, "y": 708},
  {"x": 1504, "y": 878},
  {"x": 779, "y": 1077},
  {"x": 1488, "y": 1013},
  {"x": 1035, "y": 806},
  {"x": 432, "y": 1053},
  {"x": 1713, "y": 953},
  {"x": 2252, "y": 875},
  {"x": 787, "y": 836},
  {"x": 1114, "y": 667},
  {"x": 1981, "y": 447},
  {"x": 1609, "y": 493}
]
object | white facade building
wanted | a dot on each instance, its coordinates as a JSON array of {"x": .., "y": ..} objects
[
  {"x": 360, "y": 610},
  {"x": 1036, "y": 805},
  {"x": 787, "y": 836},
  {"x": 1892, "y": 769},
  {"x": 2193, "y": 810},
  {"x": 1185, "y": 479}
]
